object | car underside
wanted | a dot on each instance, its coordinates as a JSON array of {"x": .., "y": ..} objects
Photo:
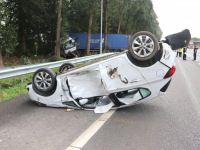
[{"x": 124, "y": 79}]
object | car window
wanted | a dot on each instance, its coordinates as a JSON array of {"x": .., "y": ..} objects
[
  {"x": 145, "y": 92},
  {"x": 127, "y": 94}
]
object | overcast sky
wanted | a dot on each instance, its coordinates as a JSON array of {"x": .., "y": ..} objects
[{"x": 177, "y": 15}]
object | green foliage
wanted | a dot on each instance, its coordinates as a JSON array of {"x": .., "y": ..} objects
[
  {"x": 12, "y": 87},
  {"x": 136, "y": 15},
  {"x": 55, "y": 58},
  {"x": 8, "y": 34},
  {"x": 28, "y": 27},
  {"x": 64, "y": 23},
  {"x": 25, "y": 60},
  {"x": 195, "y": 39},
  {"x": 35, "y": 23}
]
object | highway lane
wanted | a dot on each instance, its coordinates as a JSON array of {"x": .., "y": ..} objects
[
  {"x": 168, "y": 122},
  {"x": 191, "y": 54},
  {"x": 25, "y": 126}
]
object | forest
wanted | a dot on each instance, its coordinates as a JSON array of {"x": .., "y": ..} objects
[{"x": 29, "y": 27}]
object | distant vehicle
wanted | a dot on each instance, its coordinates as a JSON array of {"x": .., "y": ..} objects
[
  {"x": 115, "y": 42},
  {"x": 191, "y": 45},
  {"x": 69, "y": 50},
  {"x": 124, "y": 79}
]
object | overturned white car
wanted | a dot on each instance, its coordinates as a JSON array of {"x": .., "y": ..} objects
[{"x": 128, "y": 78}]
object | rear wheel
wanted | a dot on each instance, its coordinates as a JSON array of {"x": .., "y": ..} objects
[
  {"x": 44, "y": 80},
  {"x": 66, "y": 66},
  {"x": 143, "y": 45}
]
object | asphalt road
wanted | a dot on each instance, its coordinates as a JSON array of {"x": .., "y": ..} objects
[
  {"x": 191, "y": 54},
  {"x": 170, "y": 122}
]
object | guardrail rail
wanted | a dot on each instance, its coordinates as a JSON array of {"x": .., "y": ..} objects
[{"x": 26, "y": 69}]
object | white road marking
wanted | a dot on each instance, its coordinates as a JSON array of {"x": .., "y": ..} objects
[
  {"x": 73, "y": 148},
  {"x": 85, "y": 136}
]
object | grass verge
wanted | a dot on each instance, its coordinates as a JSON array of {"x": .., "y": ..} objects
[{"x": 12, "y": 87}]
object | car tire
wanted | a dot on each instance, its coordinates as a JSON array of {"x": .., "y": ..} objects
[
  {"x": 44, "y": 80},
  {"x": 66, "y": 66},
  {"x": 143, "y": 45}
]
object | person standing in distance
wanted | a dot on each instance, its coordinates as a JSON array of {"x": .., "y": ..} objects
[
  {"x": 177, "y": 52},
  {"x": 195, "y": 52},
  {"x": 184, "y": 53},
  {"x": 180, "y": 52}
]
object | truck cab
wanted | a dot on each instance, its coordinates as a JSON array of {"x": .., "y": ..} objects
[{"x": 69, "y": 50}]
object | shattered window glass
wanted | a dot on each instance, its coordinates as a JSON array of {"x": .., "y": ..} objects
[
  {"x": 127, "y": 94},
  {"x": 145, "y": 92}
]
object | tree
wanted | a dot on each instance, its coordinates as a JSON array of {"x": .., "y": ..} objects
[
  {"x": 92, "y": 4},
  {"x": 32, "y": 24},
  {"x": 58, "y": 29},
  {"x": 195, "y": 39},
  {"x": 8, "y": 34},
  {"x": 1, "y": 60},
  {"x": 36, "y": 21},
  {"x": 120, "y": 5}
]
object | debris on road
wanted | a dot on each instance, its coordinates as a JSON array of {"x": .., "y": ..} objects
[{"x": 69, "y": 110}]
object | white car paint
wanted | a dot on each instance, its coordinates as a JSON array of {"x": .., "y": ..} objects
[{"x": 108, "y": 76}]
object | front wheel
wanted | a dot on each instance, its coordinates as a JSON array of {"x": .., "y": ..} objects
[{"x": 143, "y": 46}]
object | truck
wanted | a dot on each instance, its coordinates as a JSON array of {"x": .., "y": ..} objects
[
  {"x": 69, "y": 50},
  {"x": 77, "y": 42},
  {"x": 115, "y": 42},
  {"x": 191, "y": 45}
]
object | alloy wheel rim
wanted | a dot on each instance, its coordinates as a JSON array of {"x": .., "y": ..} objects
[
  {"x": 143, "y": 46},
  {"x": 43, "y": 80}
]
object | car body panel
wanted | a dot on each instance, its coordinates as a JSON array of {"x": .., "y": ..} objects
[
  {"x": 168, "y": 56},
  {"x": 86, "y": 84},
  {"x": 118, "y": 74},
  {"x": 54, "y": 100}
]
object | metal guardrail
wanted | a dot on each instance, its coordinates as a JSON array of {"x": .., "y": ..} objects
[{"x": 21, "y": 70}]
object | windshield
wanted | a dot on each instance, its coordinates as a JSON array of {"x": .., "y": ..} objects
[{"x": 69, "y": 45}]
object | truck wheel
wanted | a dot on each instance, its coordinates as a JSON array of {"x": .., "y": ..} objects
[
  {"x": 66, "y": 66},
  {"x": 62, "y": 53},
  {"x": 143, "y": 45},
  {"x": 44, "y": 80}
]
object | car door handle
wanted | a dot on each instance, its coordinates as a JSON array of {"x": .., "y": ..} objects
[{"x": 136, "y": 80}]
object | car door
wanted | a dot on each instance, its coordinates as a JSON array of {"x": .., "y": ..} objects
[{"x": 119, "y": 74}]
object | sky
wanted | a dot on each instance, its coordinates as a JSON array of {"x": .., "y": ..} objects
[{"x": 176, "y": 15}]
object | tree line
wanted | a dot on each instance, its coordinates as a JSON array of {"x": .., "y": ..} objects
[
  {"x": 195, "y": 39},
  {"x": 28, "y": 27}
]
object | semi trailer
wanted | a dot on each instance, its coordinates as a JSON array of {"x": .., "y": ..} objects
[
  {"x": 77, "y": 42},
  {"x": 115, "y": 42}
]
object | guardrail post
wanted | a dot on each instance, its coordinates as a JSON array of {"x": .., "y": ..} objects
[{"x": 21, "y": 78}]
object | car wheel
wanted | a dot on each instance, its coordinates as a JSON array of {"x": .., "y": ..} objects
[
  {"x": 44, "y": 80},
  {"x": 143, "y": 45},
  {"x": 66, "y": 66}
]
